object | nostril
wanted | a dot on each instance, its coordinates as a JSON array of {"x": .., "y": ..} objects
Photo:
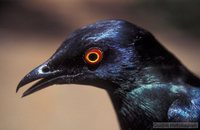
[{"x": 45, "y": 69}]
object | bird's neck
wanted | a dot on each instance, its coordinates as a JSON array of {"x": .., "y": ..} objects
[
  {"x": 134, "y": 101},
  {"x": 136, "y": 111},
  {"x": 129, "y": 116}
]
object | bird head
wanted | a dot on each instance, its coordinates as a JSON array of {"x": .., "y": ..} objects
[{"x": 108, "y": 51}]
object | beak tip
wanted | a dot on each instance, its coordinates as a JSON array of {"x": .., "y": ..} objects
[
  {"x": 24, "y": 94},
  {"x": 17, "y": 89},
  {"x": 19, "y": 86}
]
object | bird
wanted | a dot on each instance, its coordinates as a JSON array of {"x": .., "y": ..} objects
[{"x": 145, "y": 81}]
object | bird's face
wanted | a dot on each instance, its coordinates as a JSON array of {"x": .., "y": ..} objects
[{"x": 98, "y": 52}]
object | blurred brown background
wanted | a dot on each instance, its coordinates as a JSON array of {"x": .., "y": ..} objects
[{"x": 31, "y": 30}]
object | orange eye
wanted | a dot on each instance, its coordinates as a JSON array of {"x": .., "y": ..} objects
[{"x": 93, "y": 56}]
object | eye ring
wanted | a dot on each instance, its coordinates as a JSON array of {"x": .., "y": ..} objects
[{"x": 93, "y": 56}]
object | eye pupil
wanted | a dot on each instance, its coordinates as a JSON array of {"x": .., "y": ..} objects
[{"x": 93, "y": 57}]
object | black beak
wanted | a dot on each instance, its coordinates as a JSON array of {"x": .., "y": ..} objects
[
  {"x": 56, "y": 70},
  {"x": 42, "y": 72}
]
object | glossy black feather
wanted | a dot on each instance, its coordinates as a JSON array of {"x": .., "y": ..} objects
[{"x": 144, "y": 80}]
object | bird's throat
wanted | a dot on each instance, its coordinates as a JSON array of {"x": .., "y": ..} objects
[{"x": 130, "y": 116}]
